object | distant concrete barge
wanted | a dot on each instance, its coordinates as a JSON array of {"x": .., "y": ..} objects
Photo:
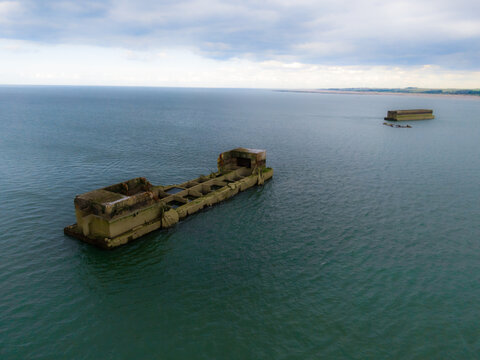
[
  {"x": 405, "y": 115},
  {"x": 117, "y": 214}
]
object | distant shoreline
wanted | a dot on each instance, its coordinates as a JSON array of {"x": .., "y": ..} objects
[{"x": 384, "y": 92}]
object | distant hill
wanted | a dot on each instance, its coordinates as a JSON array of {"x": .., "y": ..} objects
[{"x": 411, "y": 90}]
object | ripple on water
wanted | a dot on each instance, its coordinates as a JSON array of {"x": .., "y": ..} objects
[{"x": 354, "y": 249}]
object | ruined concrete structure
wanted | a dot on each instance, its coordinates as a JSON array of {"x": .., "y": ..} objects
[
  {"x": 117, "y": 214},
  {"x": 404, "y": 115}
]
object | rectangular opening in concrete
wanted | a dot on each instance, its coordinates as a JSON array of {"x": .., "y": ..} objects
[
  {"x": 175, "y": 204},
  {"x": 244, "y": 162},
  {"x": 215, "y": 187},
  {"x": 174, "y": 190},
  {"x": 191, "y": 197}
]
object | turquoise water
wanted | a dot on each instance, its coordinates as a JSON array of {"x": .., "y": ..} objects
[{"x": 364, "y": 245}]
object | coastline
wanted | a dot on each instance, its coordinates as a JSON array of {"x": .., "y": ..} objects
[{"x": 357, "y": 92}]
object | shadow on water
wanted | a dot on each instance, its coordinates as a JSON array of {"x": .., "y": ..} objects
[{"x": 127, "y": 262}]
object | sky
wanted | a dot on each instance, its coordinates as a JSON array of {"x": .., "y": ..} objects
[{"x": 283, "y": 44}]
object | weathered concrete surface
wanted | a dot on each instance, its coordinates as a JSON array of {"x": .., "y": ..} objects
[
  {"x": 406, "y": 115},
  {"x": 169, "y": 218},
  {"x": 117, "y": 214}
]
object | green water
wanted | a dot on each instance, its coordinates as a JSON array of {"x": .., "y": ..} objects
[{"x": 364, "y": 245}]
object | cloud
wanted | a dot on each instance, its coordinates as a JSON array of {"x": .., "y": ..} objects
[
  {"x": 284, "y": 34},
  {"x": 9, "y": 10},
  {"x": 96, "y": 65},
  {"x": 326, "y": 49}
]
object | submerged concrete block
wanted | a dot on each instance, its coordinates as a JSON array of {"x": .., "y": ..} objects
[
  {"x": 117, "y": 214},
  {"x": 405, "y": 115}
]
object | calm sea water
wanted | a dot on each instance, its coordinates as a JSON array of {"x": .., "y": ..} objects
[{"x": 366, "y": 244}]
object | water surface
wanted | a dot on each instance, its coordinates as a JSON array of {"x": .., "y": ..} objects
[{"x": 364, "y": 245}]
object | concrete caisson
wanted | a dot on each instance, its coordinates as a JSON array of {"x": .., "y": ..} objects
[{"x": 117, "y": 214}]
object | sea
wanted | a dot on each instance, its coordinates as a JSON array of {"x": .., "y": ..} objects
[{"x": 364, "y": 245}]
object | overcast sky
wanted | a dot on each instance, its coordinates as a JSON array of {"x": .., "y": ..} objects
[{"x": 268, "y": 44}]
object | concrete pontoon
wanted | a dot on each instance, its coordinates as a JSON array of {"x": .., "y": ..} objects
[
  {"x": 117, "y": 214},
  {"x": 405, "y": 115}
]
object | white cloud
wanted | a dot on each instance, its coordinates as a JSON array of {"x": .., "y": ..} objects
[
  {"x": 9, "y": 9},
  {"x": 342, "y": 31},
  {"x": 87, "y": 65},
  {"x": 272, "y": 43},
  {"x": 324, "y": 48}
]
